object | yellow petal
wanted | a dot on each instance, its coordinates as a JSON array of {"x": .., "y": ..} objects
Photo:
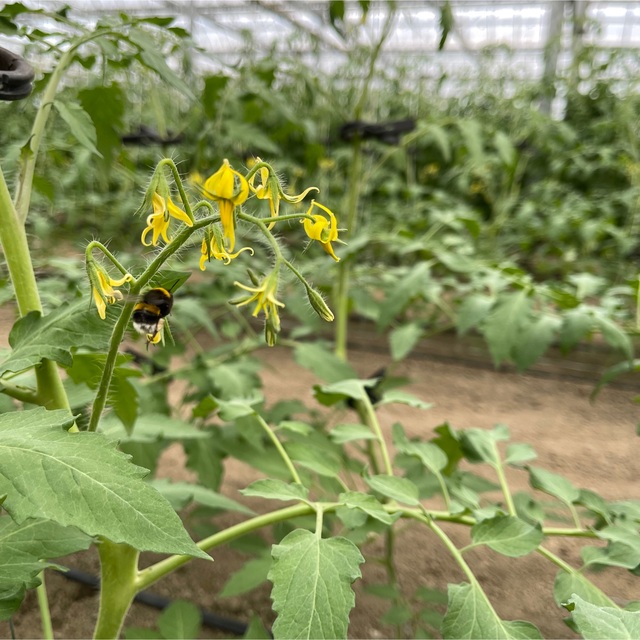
[
  {"x": 100, "y": 303},
  {"x": 298, "y": 198},
  {"x": 178, "y": 213},
  {"x": 220, "y": 184}
]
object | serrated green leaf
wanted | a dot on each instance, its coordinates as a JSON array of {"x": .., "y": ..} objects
[
  {"x": 366, "y": 503},
  {"x": 409, "y": 287},
  {"x": 469, "y": 615},
  {"x": 518, "y": 453},
  {"x": 343, "y": 433},
  {"x": 622, "y": 550},
  {"x": 35, "y": 337},
  {"x": 312, "y": 592},
  {"x": 576, "y": 325},
  {"x": 106, "y": 106},
  {"x": 473, "y": 310},
  {"x": 181, "y": 619},
  {"x": 256, "y": 630},
  {"x": 395, "y": 396},
  {"x": 393, "y": 487},
  {"x": 152, "y": 57},
  {"x": 152, "y": 427},
  {"x": 295, "y": 426},
  {"x": 615, "y": 336},
  {"x": 24, "y": 550},
  {"x": 479, "y": 445},
  {"x": 502, "y": 327},
  {"x": 275, "y": 490},
  {"x": 319, "y": 460},
  {"x": 352, "y": 388},
  {"x": 553, "y": 484},
  {"x": 568, "y": 584},
  {"x": 180, "y": 494},
  {"x": 80, "y": 479},
  {"x": 79, "y": 123},
  {"x": 323, "y": 362},
  {"x": 403, "y": 339},
  {"x": 534, "y": 340},
  {"x": 507, "y": 535},
  {"x": 252, "y": 575},
  {"x": 431, "y": 456},
  {"x": 604, "y": 623}
]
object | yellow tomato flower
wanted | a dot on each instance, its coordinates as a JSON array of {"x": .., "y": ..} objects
[
  {"x": 264, "y": 296},
  {"x": 102, "y": 288},
  {"x": 269, "y": 188},
  {"x": 211, "y": 249},
  {"x": 221, "y": 188},
  {"x": 158, "y": 221},
  {"x": 323, "y": 230}
]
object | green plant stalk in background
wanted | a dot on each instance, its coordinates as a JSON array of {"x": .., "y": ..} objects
[
  {"x": 13, "y": 238},
  {"x": 341, "y": 294}
]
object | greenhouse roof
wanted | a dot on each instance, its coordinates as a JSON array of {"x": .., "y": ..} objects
[{"x": 516, "y": 31}]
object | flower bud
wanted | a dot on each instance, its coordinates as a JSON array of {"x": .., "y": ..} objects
[{"x": 319, "y": 305}]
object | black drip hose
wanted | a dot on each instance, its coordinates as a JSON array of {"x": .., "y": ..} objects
[{"x": 211, "y": 620}]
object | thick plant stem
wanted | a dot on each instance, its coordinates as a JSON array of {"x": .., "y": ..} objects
[
  {"x": 152, "y": 574},
  {"x": 341, "y": 294},
  {"x": 45, "y": 614},
  {"x": 13, "y": 239},
  {"x": 119, "y": 569}
]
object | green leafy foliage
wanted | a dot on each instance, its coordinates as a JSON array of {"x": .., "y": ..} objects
[
  {"x": 507, "y": 535},
  {"x": 115, "y": 503},
  {"x": 595, "y": 622},
  {"x": 469, "y": 615},
  {"x": 24, "y": 552},
  {"x": 312, "y": 579},
  {"x": 35, "y": 337}
]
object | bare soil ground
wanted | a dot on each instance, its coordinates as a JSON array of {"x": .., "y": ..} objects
[{"x": 594, "y": 445}]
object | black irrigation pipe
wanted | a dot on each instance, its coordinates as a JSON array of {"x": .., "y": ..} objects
[{"x": 211, "y": 620}]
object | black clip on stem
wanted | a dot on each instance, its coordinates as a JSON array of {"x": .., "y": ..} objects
[{"x": 16, "y": 76}]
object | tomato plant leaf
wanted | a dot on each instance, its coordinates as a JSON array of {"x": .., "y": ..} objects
[
  {"x": 403, "y": 339},
  {"x": 534, "y": 340},
  {"x": 502, "y": 327},
  {"x": 81, "y": 479},
  {"x": 399, "y": 489},
  {"x": 366, "y": 503},
  {"x": 568, "y": 584},
  {"x": 275, "y": 490},
  {"x": 181, "y": 619},
  {"x": 507, "y": 535},
  {"x": 79, "y": 123},
  {"x": 251, "y": 575},
  {"x": 180, "y": 494},
  {"x": 553, "y": 484},
  {"x": 312, "y": 578},
  {"x": 596, "y": 622},
  {"x": 342, "y": 433},
  {"x": 34, "y": 337},
  {"x": 469, "y": 615}
]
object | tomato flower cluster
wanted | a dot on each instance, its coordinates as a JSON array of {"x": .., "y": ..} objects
[{"x": 223, "y": 196}]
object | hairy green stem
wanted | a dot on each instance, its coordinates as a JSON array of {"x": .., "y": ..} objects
[
  {"x": 372, "y": 422},
  {"x": 341, "y": 291},
  {"x": 155, "y": 572},
  {"x": 27, "y": 169},
  {"x": 43, "y": 605},
  {"x": 121, "y": 324},
  {"x": 504, "y": 485},
  {"x": 13, "y": 239},
  {"x": 118, "y": 573},
  {"x": 152, "y": 574},
  {"x": 278, "y": 445}
]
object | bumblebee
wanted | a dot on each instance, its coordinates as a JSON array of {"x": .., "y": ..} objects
[{"x": 150, "y": 312}]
